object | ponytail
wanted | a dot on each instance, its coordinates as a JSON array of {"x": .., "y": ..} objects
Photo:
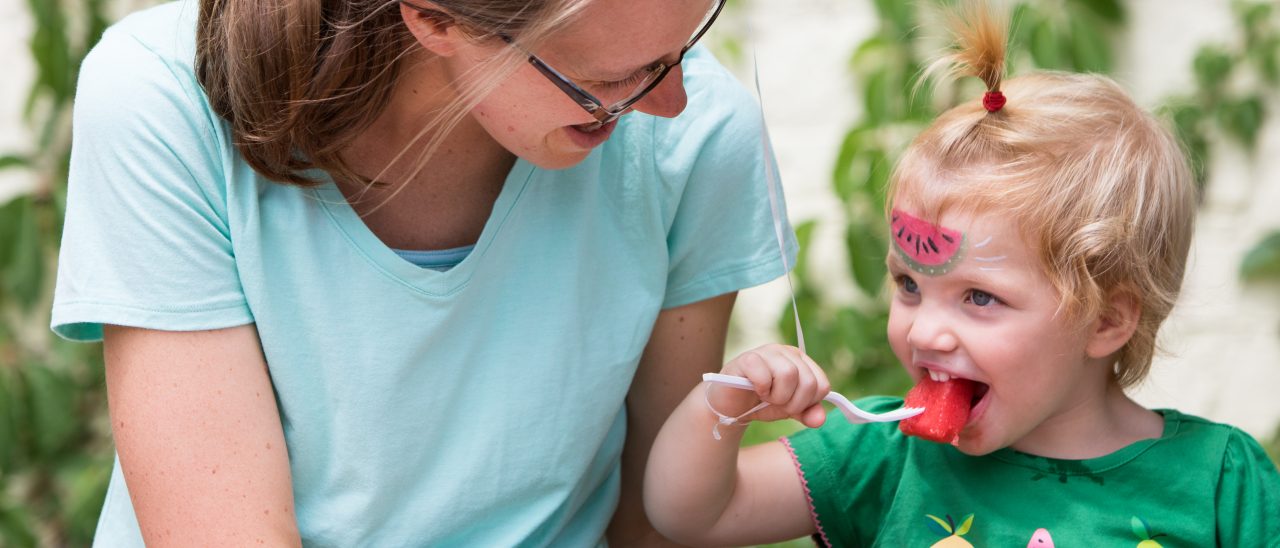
[{"x": 980, "y": 45}]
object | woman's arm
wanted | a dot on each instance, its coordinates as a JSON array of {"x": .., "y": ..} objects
[
  {"x": 199, "y": 437},
  {"x": 686, "y": 342}
]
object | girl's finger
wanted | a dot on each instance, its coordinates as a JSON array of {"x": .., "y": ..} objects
[
  {"x": 806, "y": 384},
  {"x": 814, "y": 416},
  {"x": 755, "y": 368},
  {"x": 784, "y": 373},
  {"x": 820, "y": 376}
]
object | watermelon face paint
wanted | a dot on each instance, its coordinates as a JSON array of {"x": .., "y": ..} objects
[
  {"x": 925, "y": 247},
  {"x": 946, "y": 407}
]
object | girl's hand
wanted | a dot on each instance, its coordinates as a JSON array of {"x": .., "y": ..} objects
[{"x": 789, "y": 381}]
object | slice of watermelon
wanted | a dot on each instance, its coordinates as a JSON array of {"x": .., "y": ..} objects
[
  {"x": 927, "y": 248},
  {"x": 946, "y": 409}
]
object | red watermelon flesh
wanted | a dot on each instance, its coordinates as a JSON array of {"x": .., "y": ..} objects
[
  {"x": 946, "y": 409},
  {"x": 926, "y": 247}
]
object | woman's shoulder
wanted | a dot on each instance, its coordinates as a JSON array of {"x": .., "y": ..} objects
[
  {"x": 147, "y": 56},
  {"x": 166, "y": 31}
]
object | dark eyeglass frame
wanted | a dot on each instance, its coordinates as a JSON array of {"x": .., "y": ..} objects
[{"x": 605, "y": 114}]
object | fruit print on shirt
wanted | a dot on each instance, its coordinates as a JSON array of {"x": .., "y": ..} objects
[
  {"x": 949, "y": 530},
  {"x": 1041, "y": 539},
  {"x": 1143, "y": 531}
]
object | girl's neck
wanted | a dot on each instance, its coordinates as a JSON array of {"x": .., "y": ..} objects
[{"x": 1093, "y": 427}]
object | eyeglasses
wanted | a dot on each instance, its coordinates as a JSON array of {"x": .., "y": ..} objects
[{"x": 638, "y": 85}]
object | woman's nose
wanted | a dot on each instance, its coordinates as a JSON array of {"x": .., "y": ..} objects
[
  {"x": 930, "y": 331},
  {"x": 668, "y": 99}
]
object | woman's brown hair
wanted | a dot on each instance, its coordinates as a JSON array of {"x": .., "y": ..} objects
[{"x": 299, "y": 79}]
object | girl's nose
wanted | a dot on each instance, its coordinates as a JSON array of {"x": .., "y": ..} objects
[
  {"x": 668, "y": 99},
  {"x": 930, "y": 331}
]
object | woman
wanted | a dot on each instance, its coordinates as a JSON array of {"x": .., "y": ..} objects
[{"x": 390, "y": 274}]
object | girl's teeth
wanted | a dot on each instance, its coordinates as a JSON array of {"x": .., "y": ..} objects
[
  {"x": 943, "y": 377},
  {"x": 933, "y": 375}
]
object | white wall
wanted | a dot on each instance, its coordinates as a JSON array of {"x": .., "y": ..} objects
[
  {"x": 1224, "y": 339},
  {"x": 16, "y": 73}
]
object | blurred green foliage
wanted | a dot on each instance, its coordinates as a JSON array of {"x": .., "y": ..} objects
[
  {"x": 55, "y": 448},
  {"x": 1232, "y": 83}
]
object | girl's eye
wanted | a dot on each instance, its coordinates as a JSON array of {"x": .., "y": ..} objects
[
  {"x": 907, "y": 284},
  {"x": 982, "y": 298}
]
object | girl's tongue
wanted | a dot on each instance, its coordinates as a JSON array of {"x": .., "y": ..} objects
[{"x": 946, "y": 408}]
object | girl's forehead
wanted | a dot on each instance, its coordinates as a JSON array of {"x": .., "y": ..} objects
[{"x": 937, "y": 245}]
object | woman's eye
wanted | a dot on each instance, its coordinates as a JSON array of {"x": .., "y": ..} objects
[
  {"x": 982, "y": 298},
  {"x": 907, "y": 284},
  {"x": 625, "y": 84}
]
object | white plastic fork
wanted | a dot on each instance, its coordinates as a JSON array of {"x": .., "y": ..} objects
[{"x": 851, "y": 412}]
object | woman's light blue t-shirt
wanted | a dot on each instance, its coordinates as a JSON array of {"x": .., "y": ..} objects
[{"x": 482, "y": 405}]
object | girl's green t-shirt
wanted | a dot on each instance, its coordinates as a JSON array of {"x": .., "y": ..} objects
[{"x": 1199, "y": 484}]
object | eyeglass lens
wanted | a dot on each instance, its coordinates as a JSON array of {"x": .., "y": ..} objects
[{"x": 650, "y": 75}]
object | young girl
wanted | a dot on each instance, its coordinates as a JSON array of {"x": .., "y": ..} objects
[{"x": 1037, "y": 247}]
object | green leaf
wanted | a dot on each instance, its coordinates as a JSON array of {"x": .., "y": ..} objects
[
  {"x": 877, "y": 94},
  {"x": 964, "y": 526},
  {"x": 13, "y": 160},
  {"x": 843, "y": 176},
  {"x": 898, "y": 15},
  {"x": 1089, "y": 48},
  {"x": 51, "y": 49},
  {"x": 1187, "y": 116},
  {"x": 1110, "y": 11},
  {"x": 1211, "y": 66},
  {"x": 1022, "y": 24},
  {"x": 9, "y": 442},
  {"x": 1242, "y": 119},
  {"x": 1139, "y": 528},
  {"x": 872, "y": 53},
  {"x": 1045, "y": 46},
  {"x": 21, "y": 257},
  {"x": 52, "y": 403},
  {"x": 1267, "y": 60},
  {"x": 804, "y": 235},
  {"x": 866, "y": 257},
  {"x": 15, "y": 526},
  {"x": 1263, "y": 260},
  {"x": 937, "y": 525},
  {"x": 83, "y": 483}
]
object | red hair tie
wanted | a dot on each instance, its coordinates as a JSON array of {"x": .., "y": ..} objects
[{"x": 993, "y": 101}]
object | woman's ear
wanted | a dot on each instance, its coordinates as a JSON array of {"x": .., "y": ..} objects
[
  {"x": 434, "y": 28},
  {"x": 1115, "y": 326}
]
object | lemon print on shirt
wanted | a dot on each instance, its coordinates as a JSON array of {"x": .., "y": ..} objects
[
  {"x": 949, "y": 530},
  {"x": 1143, "y": 532}
]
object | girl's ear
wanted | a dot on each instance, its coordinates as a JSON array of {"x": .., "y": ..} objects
[
  {"x": 434, "y": 28},
  {"x": 1113, "y": 328}
]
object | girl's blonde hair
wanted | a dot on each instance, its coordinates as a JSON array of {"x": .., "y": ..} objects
[
  {"x": 1098, "y": 186},
  {"x": 299, "y": 79}
]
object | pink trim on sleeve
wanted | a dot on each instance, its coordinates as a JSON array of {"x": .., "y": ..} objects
[{"x": 804, "y": 482}]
